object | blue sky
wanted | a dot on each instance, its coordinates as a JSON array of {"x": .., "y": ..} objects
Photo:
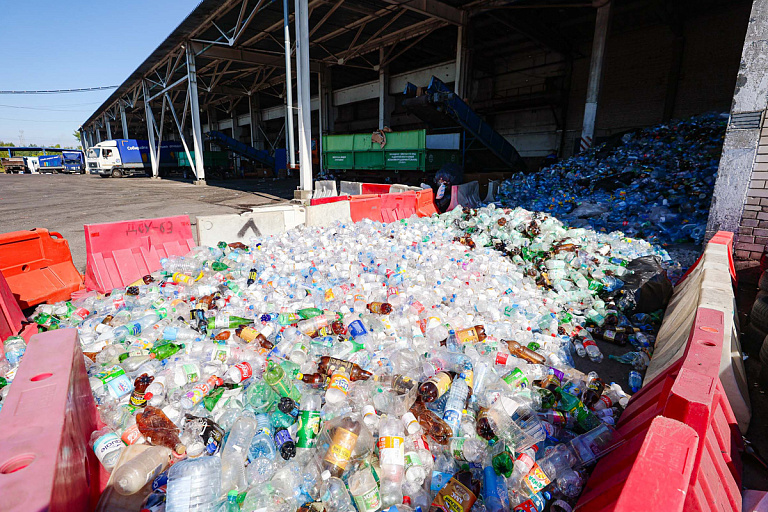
[{"x": 49, "y": 44}]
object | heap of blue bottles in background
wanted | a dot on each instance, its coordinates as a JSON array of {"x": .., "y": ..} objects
[{"x": 655, "y": 183}]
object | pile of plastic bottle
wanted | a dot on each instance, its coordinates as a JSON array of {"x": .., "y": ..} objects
[
  {"x": 655, "y": 183},
  {"x": 426, "y": 365}
]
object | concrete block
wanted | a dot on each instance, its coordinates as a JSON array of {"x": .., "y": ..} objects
[
  {"x": 324, "y": 215},
  {"x": 263, "y": 221}
]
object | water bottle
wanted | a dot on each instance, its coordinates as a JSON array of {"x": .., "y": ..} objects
[
  {"x": 261, "y": 452},
  {"x": 194, "y": 485},
  {"x": 235, "y": 452},
  {"x": 635, "y": 381},
  {"x": 132, "y": 476},
  {"x": 457, "y": 398},
  {"x": 392, "y": 458}
]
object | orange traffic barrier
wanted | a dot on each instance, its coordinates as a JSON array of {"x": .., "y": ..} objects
[
  {"x": 119, "y": 253},
  {"x": 367, "y": 206},
  {"x": 38, "y": 266},
  {"x": 375, "y": 188},
  {"x": 425, "y": 203},
  {"x": 398, "y": 206},
  {"x": 47, "y": 418},
  {"x": 11, "y": 316},
  {"x": 329, "y": 199}
]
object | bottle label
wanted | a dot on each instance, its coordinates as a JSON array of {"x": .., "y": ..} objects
[
  {"x": 106, "y": 449},
  {"x": 137, "y": 399},
  {"x": 190, "y": 372},
  {"x": 457, "y": 447},
  {"x": 453, "y": 418},
  {"x": 245, "y": 370},
  {"x": 134, "y": 328},
  {"x": 132, "y": 435},
  {"x": 357, "y": 329},
  {"x": 516, "y": 379},
  {"x": 309, "y": 428},
  {"x": 221, "y": 322},
  {"x": 402, "y": 384},
  {"x": 220, "y": 353},
  {"x": 443, "y": 382},
  {"x": 526, "y": 460},
  {"x": 391, "y": 450},
  {"x": 535, "y": 503},
  {"x": 116, "y": 380},
  {"x": 606, "y": 400},
  {"x": 609, "y": 336},
  {"x": 439, "y": 479},
  {"x": 341, "y": 448},
  {"x": 468, "y": 335},
  {"x": 501, "y": 358},
  {"x": 282, "y": 437},
  {"x": 369, "y": 411},
  {"x": 369, "y": 500},
  {"x": 81, "y": 313},
  {"x": 339, "y": 381},
  {"x": 248, "y": 334},
  {"x": 454, "y": 497},
  {"x": 536, "y": 479},
  {"x": 412, "y": 459}
]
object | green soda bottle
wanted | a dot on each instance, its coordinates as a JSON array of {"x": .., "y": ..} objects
[
  {"x": 227, "y": 321},
  {"x": 281, "y": 382},
  {"x": 218, "y": 266},
  {"x": 165, "y": 351},
  {"x": 307, "y": 313}
]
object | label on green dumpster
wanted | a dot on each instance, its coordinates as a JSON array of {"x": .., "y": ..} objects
[{"x": 402, "y": 157}]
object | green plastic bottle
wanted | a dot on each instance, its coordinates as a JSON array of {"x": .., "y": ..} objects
[
  {"x": 280, "y": 381},
  {"x": 307, "y": 313},
  {"x": 165, "y": 351},
  {"x": 226, "y": 321}
]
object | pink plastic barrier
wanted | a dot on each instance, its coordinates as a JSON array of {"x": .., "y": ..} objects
[
  {"x": 47, "y": 419},
  {"x": 119, "y": 253}
]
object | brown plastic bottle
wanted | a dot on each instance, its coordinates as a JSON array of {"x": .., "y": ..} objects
[
  {"x": 380, "y": 308},
  {"x": 483, "y": 426},
  {"x": 159, "y": 430},
  {"x": 432, "y": 424},
  {"x": 594, "y": 391},
  {"x": 140, "y": 386},
  {"x": 328, "y": 364},
  {"x": 343, "y": 441},
  {"x": 522, "y": 352},
  {"x": 249, "y": 335},
  {"x": 435, "y": 387},
  {"x": 314, "y": 379},
  {"x": 471, "y": 335},
  {"x": 609, "y": 335}
]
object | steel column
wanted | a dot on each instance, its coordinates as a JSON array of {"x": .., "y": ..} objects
[
  {"x": 124, "y": 121},
  {"x": 194, "y": 110},
  {"x": 461, "y": 67},
  {"x": 595, "y": 75},
  {"x": 108, "y": 126},
  {"x": 250, "y": 121},
  {"x": 288, "y": 88},
  {"x": 98, "y": 135},
  {"x": 303, "y": 84},
  {"x": 320, "y": 112},
  {"x": 150, "y": 130},
  {"x": 385, "y": 103},
  {"x": 83, "y": 140}
]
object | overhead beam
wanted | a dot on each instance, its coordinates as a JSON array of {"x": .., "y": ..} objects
[
  {"x": 245, "y": 56},
  {"x": 433, "y": 9}
]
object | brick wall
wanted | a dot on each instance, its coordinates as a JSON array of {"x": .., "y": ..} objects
[{"x": 753, "y": 228}]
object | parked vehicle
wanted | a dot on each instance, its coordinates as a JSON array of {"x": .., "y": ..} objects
[
  {"x": 129, "y": 157},
  {"x": 14, "y": 164},
  {"x": 71, "y": 162},
  {"x": 33, "y": 164}
]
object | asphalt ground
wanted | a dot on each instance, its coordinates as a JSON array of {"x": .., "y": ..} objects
[{"x": 64, "y": 202}]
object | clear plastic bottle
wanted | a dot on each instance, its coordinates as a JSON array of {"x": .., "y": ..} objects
[
  {"x": 334, "y": 494},
  {"x": 235, "y": 452},
  {"x": 194, "y": 485},
  {"x": 392, "y": 458},
  {"x": 130, "y": 477},
  {"x": 338, "y": 387},
  {"x": 308, "y": 422},
  {"x": 261, "y": 452},
  {"x": 457, "y": 399},
  {"x": 364, "y": 490}
]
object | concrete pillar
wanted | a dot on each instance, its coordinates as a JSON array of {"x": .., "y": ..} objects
[
  {"x": 301, "y": 16},
  {"x": 194, "y": 111},
  {"x": 462, "y": 63},
  {"x": 385, "y": 100},
  {"x": 739, "y": 199},
  {"x": 595, "y": 75},
  {"x": 124, "y": 121}
]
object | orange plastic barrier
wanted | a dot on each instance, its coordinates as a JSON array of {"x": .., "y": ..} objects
[
  {"x": 38, "y": 266},
  {"x": 119, "y": 253},
  {"x": 398, "y": 206},
  {"x": 425, "y": 203},
  {"x": 11, "y": 316},
  {"x": 375, "y": 188},
  {"x": 326, "y": 200},
  {"x": 691, "y": 393},
  {"x": 365, "y": 207},
  {"x": 47, "y": 419}
]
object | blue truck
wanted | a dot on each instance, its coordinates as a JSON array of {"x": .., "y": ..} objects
[
  {"x": 72, "y": 162},
  {"x": 129, "y": 157}
]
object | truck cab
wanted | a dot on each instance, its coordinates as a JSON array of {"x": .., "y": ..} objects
[
  {"x": 33, "y": 165},
  {"x": 118, "y": 158}
]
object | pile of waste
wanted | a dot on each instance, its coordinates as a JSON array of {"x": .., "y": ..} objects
[
  {"x": 655, "y": 183},
  {"x": 426, "y": 364}
]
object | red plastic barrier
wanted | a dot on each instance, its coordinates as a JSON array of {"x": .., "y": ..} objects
[
  {"x": 119, "y": 253},
  {"x": 425, "y": 203},
  {"x": 11, "y": 316},
  {"x": 365, "y": 207},
  {"x": 720, "y": 238},
  {"x": 375, "y": 188},
  {"x": 690, "y": 392},
  {"x": 38, "y": 266},
  {"x": 326, "y": 200},
  {"x": 398, "y": 206},
  {"x": 47, "y": 419}
]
